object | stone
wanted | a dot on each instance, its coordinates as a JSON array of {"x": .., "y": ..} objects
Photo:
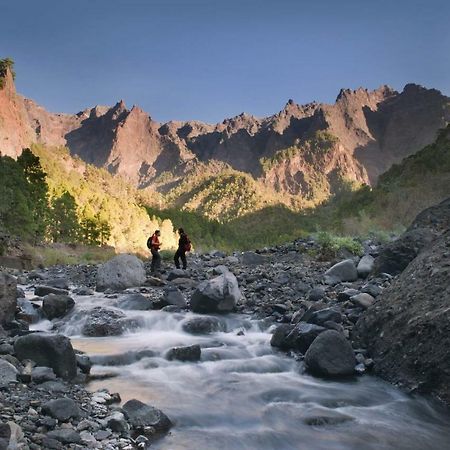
[
  {"x": 57, "y": 306},
  {"x": 232, "y": 259},
  {"x": 60, "y": 283},
  {"x": 346, "y": 294},
  {"x": 8, "y": 373},
  {"x": 135, "y": 302},
  {"x": 252, "y": 259},
  {"x": 8, "y": 299},
  {"x": 298, "y": 338},
  {"x": 62, "y": 409},
  {"x": 41, "y": 291},
  {"x": 50, "y": 350},
  {"x": 141, "y": 415},
  {"x": 121, "y": 272},
  {"x": 325, "y": 315},
  {"x": 342, "y": 271},
  {"x": 364, "y": 300},
  {"x": 372, "y": 289},
  {"x": 173, "y": 296},
  {"x": 117, "y": 423},
  {"x": 65, "y": 436},
  {"x": 176, "y": 273},
  {"x": 84, "y": 363},
  {"x": 316, "y": 294},
  {"x": 219, "y": 270},
  {"x": 218, "y": 295},
  {"x": 189, "y": 353},
  {"x": 365, "y": 266},
  {"x": 203, "y": 325},
  {"x": 104, "y": 322},
  {"x": 330, "y": 355},
  {"x": 41, "y": 374},
  {"x": 30, "y": 312}
]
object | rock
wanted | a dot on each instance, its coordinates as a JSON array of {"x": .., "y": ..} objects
[
  {"x": 65, "y": 436},
  {"x": 232, "y": 260},
  {"x": 342, "y": 271},
  {"x": 330, "y": 355},
  {"x": 141, "y": 415},
  {"x": 219, "y": 270},
  {"x": 121, "y": 272},
  {"x": 117, "y": 423},
  {"x": 8, "y": 373},
  {"x": 104, "y": 322},
  {"x": 41, "y": 374},
  {"x": 252, "y": 259},
  {"x": 60, "y": 283},
  {"x": 56, "y": 306},
  {"x": 203, "y": 325},
  {"x": 190, "y": 353},
  {"x": 299, "y": 338},
  {"x": 316, "y": 294},
  {"x": 135, "y": 302},
  {"x": 84, "y": 363},
  {"x": 61, "y": 409},
  {"x": 364, "y": 300},
  {"x": 83, "y": 290},
  {"x": 218, "y": 295},
  {"x": 121, "y": 359},
  {"x": 365, "y": 266},
  {"x": 30, "y": 312},
  {"x": 325, "y": 315},
  {"x": 41, "y": 291},
  {"x": 347, "y": 294},
  {"x": 8, "y": 302},
  {"x": 176, "y": 273},
  {"x": 173, "y": 296},
  {"x": 406, "y": 332},
  {"x": 396, "y": 255},
  {"x": 50, "y": 350},
  {"x": 372, "y": 289}
]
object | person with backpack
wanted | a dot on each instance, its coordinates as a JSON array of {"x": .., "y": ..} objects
[
  {"x": 184, "y": 245},
  {"x": 154, "y": 244}
]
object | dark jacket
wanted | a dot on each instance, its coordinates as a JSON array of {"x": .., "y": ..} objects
[{"x": 183, "y": 242}]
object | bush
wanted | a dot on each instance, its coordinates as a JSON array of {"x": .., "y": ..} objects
[{"x": 331, "y": 245}]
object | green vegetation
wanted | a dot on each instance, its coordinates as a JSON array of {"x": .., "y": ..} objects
[
  {"x": 331, "y": 245},
  {"x": 5, "y": 64}
]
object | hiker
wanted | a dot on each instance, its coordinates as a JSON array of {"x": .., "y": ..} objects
[
  {"x": 154, "y": 244},
  {"x": 184, "y": 245}
]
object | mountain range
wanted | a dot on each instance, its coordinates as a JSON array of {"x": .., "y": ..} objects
[{"x": 300, "y": 155}]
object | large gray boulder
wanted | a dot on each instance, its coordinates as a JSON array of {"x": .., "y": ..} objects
[
  {"x": 342, "y": 271},
  {"x": 121, "y": 272},
  {"x": 8, "y": 297},
  {"x": 365, "y": 266},
  {"x": 8, "y": 373},
  {"x": 141, "y": 416},
  {"x": 218, "y": 295},
  {"x": 104, "y": 322},
  {"x": 56, "y": 306},
  {"x": 330, "y": 355},
  {"x": 50, "y": 350}
]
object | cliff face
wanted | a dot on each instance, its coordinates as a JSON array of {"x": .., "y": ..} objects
[{"x": 374, "y": 129}]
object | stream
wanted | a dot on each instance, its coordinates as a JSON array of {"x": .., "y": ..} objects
[{"x": 245, "y": 395}]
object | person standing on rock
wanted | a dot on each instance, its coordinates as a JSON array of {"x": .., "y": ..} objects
[
  {"x": 154, "y": 244},
  {"x": 184, "y": 245}
]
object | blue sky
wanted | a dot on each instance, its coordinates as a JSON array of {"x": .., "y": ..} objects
[{"x": 211, "y": 59}]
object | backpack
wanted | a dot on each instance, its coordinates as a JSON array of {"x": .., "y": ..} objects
[
  {"x": 187, "y": 246},
  {"x": 149, "y": 243}
]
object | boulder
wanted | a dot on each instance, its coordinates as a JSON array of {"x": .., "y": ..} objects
[
  {"x": 364, "y": 300},
  {"x": 365, "y": 266},
  {"x": 396, "y": 255},
  {"x": 176, "y": 273},
  {"x": 8, "y": 373},
  {"x": 218, "y": 295},
  {"x": 342, "y": 271},
  {"x": 104, "y": 322},
  {"x": 325, "y": 315},
  {"x": 41, "y": 291},
  {"x": 135, "y": 302},
  {"x": 61, "y": 409},
  {"x": 316, "y": 294},
  {"x": 173, "y": 296},
  {"x": 84, "y": 363},
  {"x": 141, "y": 415},
  {"x": 42, "y": 374},
  {"x": 219, "y": 270},
  {"x": 297, "y": 338},
  {"x": 50, "y": 350},
  {"x": 203, "y": 325},
  {"x": 8, "y": 302},
  {"x": 30, "y": 312},
  {"x": 56, "y": 306},
  {"x": 330, "y": 355},
  {"x": 189, "y": 353},
  {"x": 252, "y": 259},
  {"x": 64, "y": 435},
  {"x": 121, "y": 272},
  {"x": 60, "y": 283}
]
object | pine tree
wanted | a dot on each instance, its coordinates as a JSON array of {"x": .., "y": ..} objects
[{"x": 64, "y": 226}]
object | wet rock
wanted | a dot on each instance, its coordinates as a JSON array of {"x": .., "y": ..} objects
[
  {"x": 364, "y": 300},
  {"x": 121, "y": 272},
  {"x": 83, "y": 290},
  {"x": 189, "y": 353},
  {"x": 8, "y": 302},
  {"x": 330, "y": 355},
  {"x": 365, "y": 266},
  {"x": 141, "y": 415},
  {"x": 218, "y": 295},
  {"x": 61, "y": 409},
  {"x": 84, "y": 363},
  {"x": 342, "y": 271},
  {"x": 30, "y": 312},
  {"x": 203, "y": 325},
  {"x": 325, "y": 315},
  {"x": 104, "y": 322},
  {"x": 121, "y": 359},
  {"x": 8, "y": 373},
  {"x": 50, "y": 350},
  {"x": 56, "y": 306},
  {"x": 41, "y": 291},
  {"x": 252, "y": 259},
  {"x": 136, "y": 302},
  {"x": 299, "y": 338}
]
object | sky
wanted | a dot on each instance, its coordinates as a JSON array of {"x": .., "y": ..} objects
[{"x": 211, "y": 59}]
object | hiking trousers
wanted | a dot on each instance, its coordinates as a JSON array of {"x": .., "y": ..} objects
[
  {"x": 156, "y": 260},
  {"x": 180, "y": 254}
]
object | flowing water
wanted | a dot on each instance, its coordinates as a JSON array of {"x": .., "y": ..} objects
[{"x": 245, "y": 395}]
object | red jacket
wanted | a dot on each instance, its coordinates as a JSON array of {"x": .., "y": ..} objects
[{"x": 155, "y": 242}]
